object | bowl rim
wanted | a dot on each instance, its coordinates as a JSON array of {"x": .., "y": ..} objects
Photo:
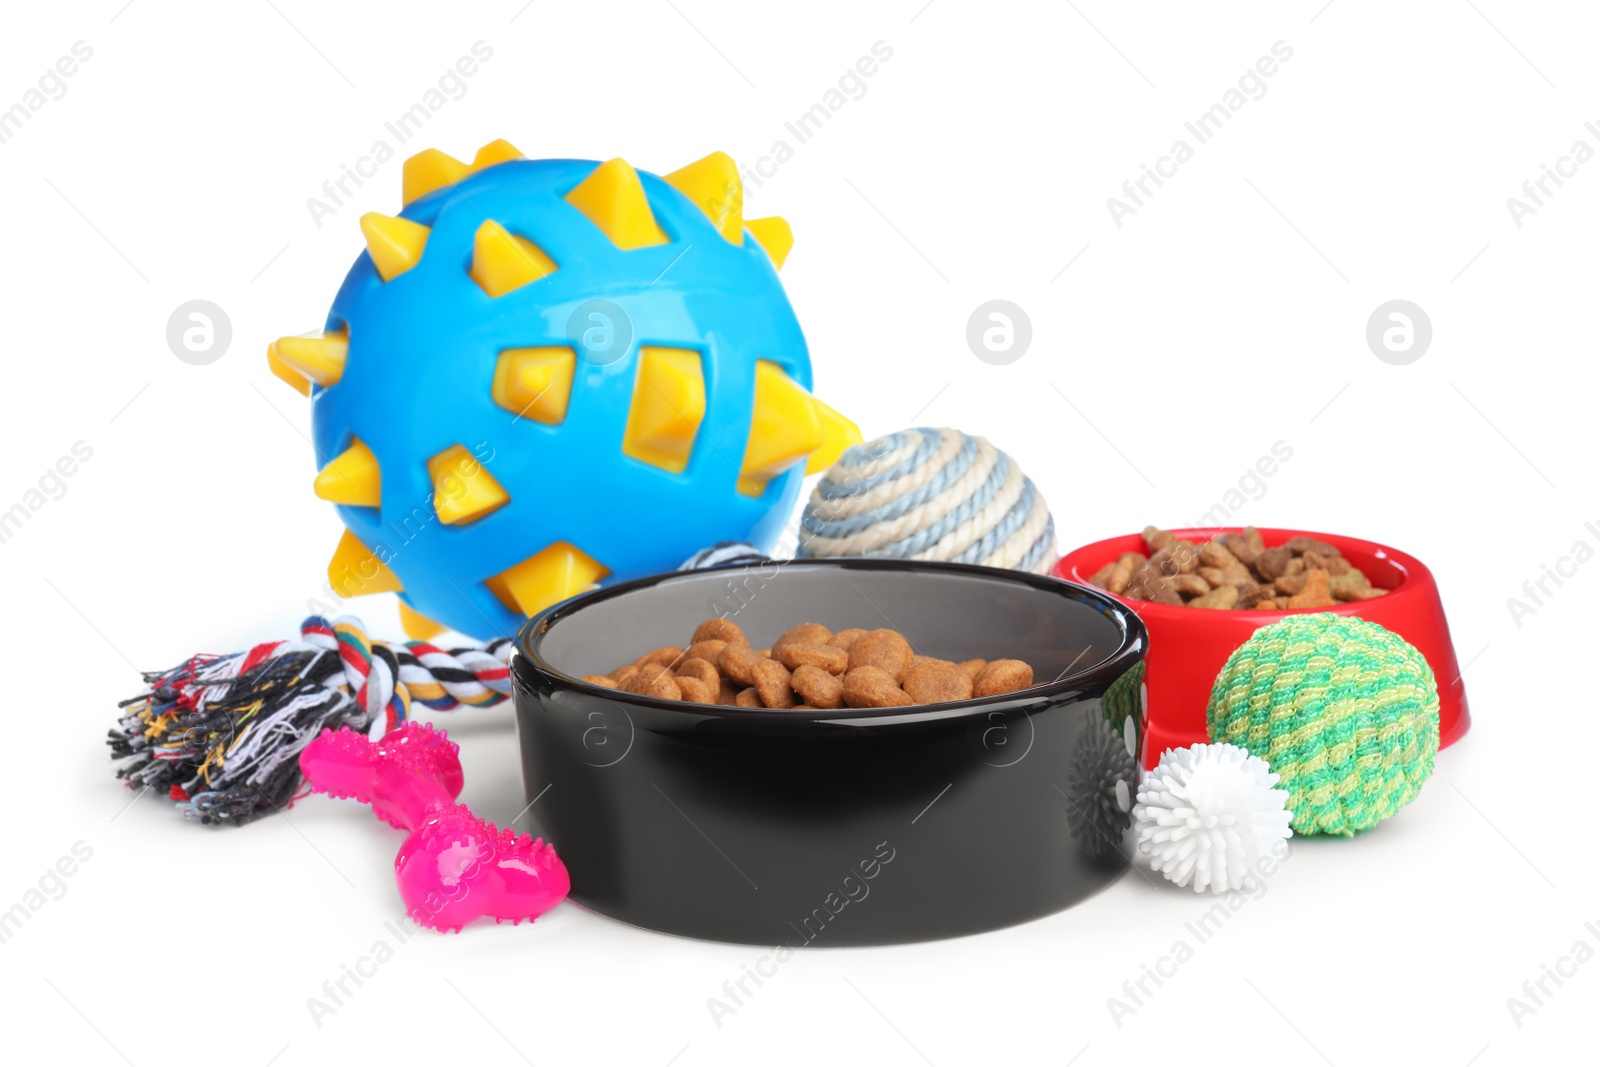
[
  {"x": 1415, "y": 577},
  {"x": 1131, "y": 649}
]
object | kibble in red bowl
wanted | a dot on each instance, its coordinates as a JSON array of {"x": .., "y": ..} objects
[
  {"x": 1236, "y": 570},
  {"x": 1189, "y": 645}
]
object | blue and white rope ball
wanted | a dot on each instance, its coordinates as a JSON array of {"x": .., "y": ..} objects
[{"x": 932, "y": 495}]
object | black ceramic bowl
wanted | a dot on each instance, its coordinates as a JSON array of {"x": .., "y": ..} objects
[{"x": 848, "y": 827}]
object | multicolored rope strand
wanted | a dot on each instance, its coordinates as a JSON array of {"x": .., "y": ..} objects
[{"x": 222, "y": 735}]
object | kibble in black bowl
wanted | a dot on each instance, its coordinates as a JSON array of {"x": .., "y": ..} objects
[{"x": 848, "y": 826}]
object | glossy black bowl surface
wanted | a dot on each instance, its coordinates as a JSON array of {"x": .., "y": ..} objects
[{"x": 848, "y": 827}]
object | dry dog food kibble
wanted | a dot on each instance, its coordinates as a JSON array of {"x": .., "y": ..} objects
[
  {"x": 845, "y": 638},
  {"x": 720, "y": 630},
  {"x": 772, "y": 684},
  {"x": 655, "y": 680},
  {"x": 1234, "y": 570},
  {"x": 817, "y": 687},
  {"x": 1002, "y": 676},
  {"x": 884, "y": 649},
  {"x": 738, "y": 663},
  {"x": 833, "y": 660},
  {"x": 695, "y": 691},
  {"x": 873, "y": 687},
  {"x": 810, "y": 668},
  {"x": 664, "y": 656},
  {"x": 936, "y": 681}
]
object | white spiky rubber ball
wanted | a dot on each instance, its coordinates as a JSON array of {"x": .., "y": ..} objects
[{"x": 1208, "y": 814}]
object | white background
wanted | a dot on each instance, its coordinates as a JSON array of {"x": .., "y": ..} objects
[{"x": 1226, "y": 314}]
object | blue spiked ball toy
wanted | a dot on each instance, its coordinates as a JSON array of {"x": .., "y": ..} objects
[{"x": 545, "y": 374}]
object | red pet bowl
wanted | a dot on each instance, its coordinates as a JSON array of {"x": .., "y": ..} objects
[{"x": 1188, "y": 646}]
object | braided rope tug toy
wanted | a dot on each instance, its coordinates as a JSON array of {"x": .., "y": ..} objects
[{"x": 222, "y": 735}]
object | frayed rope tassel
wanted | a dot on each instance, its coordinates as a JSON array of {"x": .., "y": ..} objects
[{"x": 222, "y": 735}]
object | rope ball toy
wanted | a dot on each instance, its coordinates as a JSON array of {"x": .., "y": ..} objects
[
  {"x": 1345, "y": 712},
  {"x": 930, "y": 494}
]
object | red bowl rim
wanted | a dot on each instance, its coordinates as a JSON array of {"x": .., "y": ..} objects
[{"x": 1415, "y": 578}]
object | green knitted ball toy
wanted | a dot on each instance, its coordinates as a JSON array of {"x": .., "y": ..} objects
[{"x": 1343, "y": 710}]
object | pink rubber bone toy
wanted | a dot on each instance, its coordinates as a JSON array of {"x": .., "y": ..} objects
[{"x": 455, "y": 866}]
